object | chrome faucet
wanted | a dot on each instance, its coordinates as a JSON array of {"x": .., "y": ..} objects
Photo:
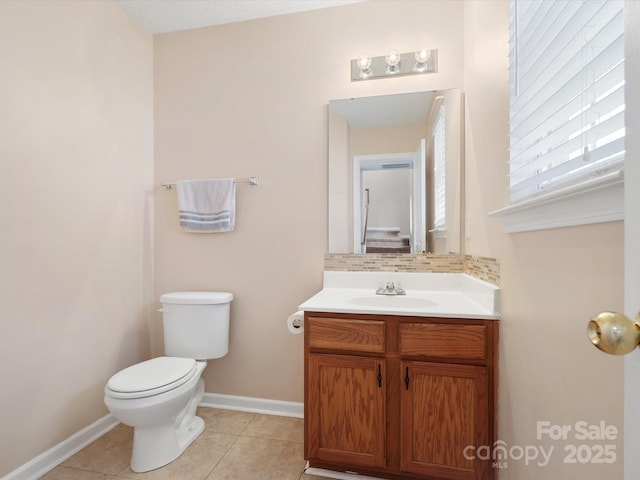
[{"x": 390, "y": 289}]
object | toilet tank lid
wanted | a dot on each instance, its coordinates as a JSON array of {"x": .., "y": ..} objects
[{"x": 196, "y": 298}]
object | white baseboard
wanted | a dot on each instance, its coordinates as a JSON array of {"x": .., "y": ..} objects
[
  {"x": 321, "y": 472},
  {"x": 53, "y": 457},
  {"x": 254, "y": 405}
]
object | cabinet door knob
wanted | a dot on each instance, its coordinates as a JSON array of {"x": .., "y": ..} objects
[
  {"x": 379, "y": 376},
  {"x": 406, "y": 378}
]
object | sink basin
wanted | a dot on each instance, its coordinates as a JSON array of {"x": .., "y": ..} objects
[{"x": 395, "y": 301}]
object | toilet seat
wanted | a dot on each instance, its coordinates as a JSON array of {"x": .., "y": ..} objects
[{"x": 152, "y": 377}]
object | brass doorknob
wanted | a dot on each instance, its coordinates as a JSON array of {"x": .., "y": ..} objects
[{"x": 614, "y": 333}]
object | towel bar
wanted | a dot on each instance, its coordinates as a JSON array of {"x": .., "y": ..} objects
[{"x": 249, "y": 180}]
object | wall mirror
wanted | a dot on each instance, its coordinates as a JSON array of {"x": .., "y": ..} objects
[{"x": 396, "y": 172}]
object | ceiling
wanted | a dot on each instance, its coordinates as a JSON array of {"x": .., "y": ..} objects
[
  {"x": 163, "y": 16},
  {"x": 384, "y": 110}
]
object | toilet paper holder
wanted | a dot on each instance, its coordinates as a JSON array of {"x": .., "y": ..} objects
[
  {"x": 295, "y": 322},
  {"x": 614, "y": 333}
]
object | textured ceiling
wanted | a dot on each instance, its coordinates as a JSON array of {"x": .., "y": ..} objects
[{"x": 162, "y": 16}]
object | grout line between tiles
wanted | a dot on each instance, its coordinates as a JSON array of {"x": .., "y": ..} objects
[
  {"x": 247, "y": 424},
  {"x": 226, "y": 452}
]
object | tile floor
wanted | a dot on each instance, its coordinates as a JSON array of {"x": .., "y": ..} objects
[{"x": 233, "y": 446}]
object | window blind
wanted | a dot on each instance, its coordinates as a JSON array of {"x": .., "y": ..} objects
[
  {"x": 566, "y": 68},
  {"x": 439, "y": 170}
]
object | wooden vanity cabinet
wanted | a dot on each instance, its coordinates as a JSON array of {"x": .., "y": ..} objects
[{"x": 400, "y": 397}]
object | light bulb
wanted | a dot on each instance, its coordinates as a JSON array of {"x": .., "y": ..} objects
[
  {"x": 392, "y": 59},
  {"x": 364, "y": 61},
  {"x": 364, "y": 64},
  {"x": 422, "y": 54}
]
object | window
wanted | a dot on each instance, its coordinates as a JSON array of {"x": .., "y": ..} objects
[
  {"x": 439, "y": 171},
  {"x": 566, "y": 119}
]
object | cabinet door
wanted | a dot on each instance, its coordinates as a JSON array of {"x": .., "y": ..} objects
[
  {"x": 346, "y": 413},
  {"x": 444, "y": 411}
]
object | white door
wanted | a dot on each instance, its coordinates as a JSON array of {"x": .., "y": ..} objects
[{"x": 632, "y": 237}]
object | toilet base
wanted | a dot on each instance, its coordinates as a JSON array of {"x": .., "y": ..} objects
[
  {"x": 155, "y": 447},
  {"x": 158, "y": 445}
]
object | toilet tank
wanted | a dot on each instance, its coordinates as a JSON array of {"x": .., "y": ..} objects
[{"x": 196, "y": 324}]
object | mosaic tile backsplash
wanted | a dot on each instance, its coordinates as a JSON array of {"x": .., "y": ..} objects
[{"x": 484, "y": 268}]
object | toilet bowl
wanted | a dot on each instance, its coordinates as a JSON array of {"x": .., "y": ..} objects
[
  {"x": 163, "y": 413},
  {"x": 159, "y": 397}
]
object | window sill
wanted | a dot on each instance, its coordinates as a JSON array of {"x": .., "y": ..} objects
[{"x": 595, "y": 201}]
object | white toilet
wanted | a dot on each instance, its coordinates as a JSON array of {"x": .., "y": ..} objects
[{"x": 159, "y": 397}]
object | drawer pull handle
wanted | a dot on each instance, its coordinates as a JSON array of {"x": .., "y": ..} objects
[
  {"x": 406, "y": 378},
  {"x": 379, "y": 376}
]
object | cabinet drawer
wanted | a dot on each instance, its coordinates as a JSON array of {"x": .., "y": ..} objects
[
  {"x": 352, "y": 335},
  {"x": 446, "y": 341}
]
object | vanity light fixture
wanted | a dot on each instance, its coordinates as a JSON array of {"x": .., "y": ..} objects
[{"x": 394, "y": 64}]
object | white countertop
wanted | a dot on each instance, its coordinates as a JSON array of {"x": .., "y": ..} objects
[{"x": 427, "y": 294}]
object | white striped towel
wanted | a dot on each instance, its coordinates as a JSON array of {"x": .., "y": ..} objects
[{"x": 207, "y": 206}]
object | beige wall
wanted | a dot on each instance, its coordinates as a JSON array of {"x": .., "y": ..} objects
[
  {"x": 239, "y": 100},
  {"x": 76, "y": 153},
  {"x": 218, "y": 116},
  {"x": 390, "y": 198},
  {"x": 394, "y": 139},
  {"x": 274, "y": 126},
  {"x": 251, "y": 99},
  {"x": 552, "y": 281}
]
